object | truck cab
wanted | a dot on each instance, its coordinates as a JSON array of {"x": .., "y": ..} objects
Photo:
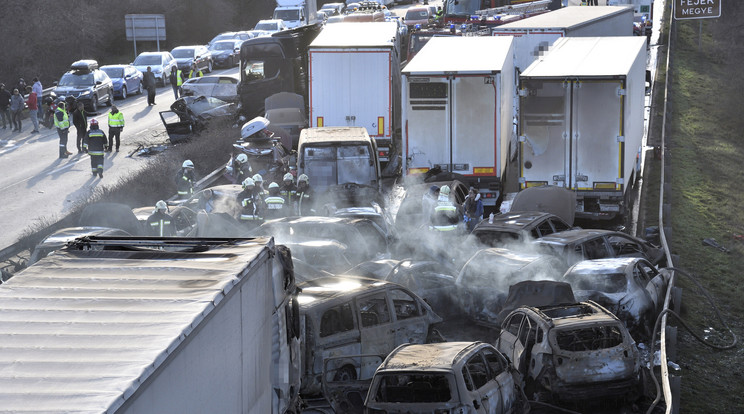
[{"x": 296, "y": 13}]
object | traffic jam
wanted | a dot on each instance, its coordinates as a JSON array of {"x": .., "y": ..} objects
[{"x": 404, "y": 224}]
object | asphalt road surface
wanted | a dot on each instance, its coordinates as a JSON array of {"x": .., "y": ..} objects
[{"x": 35, "y": 185}]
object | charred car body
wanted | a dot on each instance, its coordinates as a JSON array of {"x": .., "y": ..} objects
[
  {"x": 571, "y": 352},
  {"x": 191, "y": 115},
  {"x": 349, "y": 316}
]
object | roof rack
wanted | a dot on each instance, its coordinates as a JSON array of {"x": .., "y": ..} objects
[{"x": 522, "y": 8}]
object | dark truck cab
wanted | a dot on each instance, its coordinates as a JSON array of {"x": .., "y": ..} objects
[{"x": 273, "y": 64}]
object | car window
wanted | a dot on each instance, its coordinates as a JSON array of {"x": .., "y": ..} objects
[
  {"x": 336, "y": 320},
  {"x": 526, "y": 332},
  {"x": 514, "y": 322},
  {"x": 624, "y": 246},
  {"x": 208, "y": 79},
  {"x": 544, "y": 228},
  {"x": 373, "y": 310},
  {"x": 405, "y": 305},
  {"x": 596, "y": 249},
  {"x": 476, "y": 367},
  {"x": 416, "y": 388},
  {"x": 227, "y": 81},
  {"x": 589, "y": 338},
  {"x": 495, "y": 363},
  {"x": 559, "y": 225},
  {"x": 254, "y": 70},
  {"x": 649, "y": 271}
]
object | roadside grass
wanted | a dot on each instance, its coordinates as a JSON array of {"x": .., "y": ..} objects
[{"x": 706, "y": 153}]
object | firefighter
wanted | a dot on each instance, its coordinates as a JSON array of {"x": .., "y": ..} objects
[
  {"x": 445, "y": 217},
  {"x": 94, "y": 143},
  {"x": 251, "y": 204},
  {"x": 160, "y": 223},
  {"x": 62, "y": 123},
  {"x": 275, "y": 203},
  {"x": 240, "y": 168},
  {"x": 304, "y": 196},
  {"x": 185, "y": 179},
  {"x": 288, "y": 191},
  {"x": 259, "y": 189}
]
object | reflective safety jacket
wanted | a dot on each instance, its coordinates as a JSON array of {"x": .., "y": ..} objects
[
  {"x": 185, "y": 181},
  {"x": 95, "y": 142},
  {"x": 275, "y": 207},
  {"x": 305, "y": 202},
  {"x": 179, "y": 77},
  {"x": 161, "y": 224},
  {"x": 61, "y": 120},
  {"x": 445, "y": 216},
  {"x": 116, "y": 120},
  {"x": 195, "y": 74},
  {"x": 251, "y": 206}
]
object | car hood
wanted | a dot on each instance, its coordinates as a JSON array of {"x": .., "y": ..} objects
[
  {"x": 70, "y": 90},
  {"x": 221, "y": 53},
  {"x": 183, "y": 61}
]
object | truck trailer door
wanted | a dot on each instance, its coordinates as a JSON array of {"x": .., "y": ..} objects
[
  {"x": 597, "y": 136},
  {"x": 428, "y": 122},
  {"x": 474, "y": 150}
]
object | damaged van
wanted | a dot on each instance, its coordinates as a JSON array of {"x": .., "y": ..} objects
[
  {"x": 344, "y": 315},
  {"x": 571, "y": 352}
]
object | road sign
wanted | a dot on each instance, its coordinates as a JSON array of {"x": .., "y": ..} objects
[
  {"x": 697, "y": 9},
  {"x": 145, "y": 27}
]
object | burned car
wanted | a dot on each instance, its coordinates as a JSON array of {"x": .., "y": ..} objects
[
  {"x": 446, "y": 377},
  {"x": 483, "y": 282},
  {"x": 585, "y": 244},
  {"x": 266, "y": 153},
  {"x": 191, "y": 115},
  {"x": 517, "y": 226},
  {"x": 347, "y": 315},
  {"x": 430, "y": 280},
  {"x": 571, "y": 352},
  {"x": 629, "y": 287}
]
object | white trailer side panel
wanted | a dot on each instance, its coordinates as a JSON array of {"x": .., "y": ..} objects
[
  {"x": 427, "y": 108},
  {"x": 352, "y": 87}
]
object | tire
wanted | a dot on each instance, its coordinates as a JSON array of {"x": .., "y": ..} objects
[
  {"x": 110, "y": 100},
  {"x": 139, "y": 89},
  {"x": 124, "y": 92},
  {"x": 209, "y": 67},
  {"x": 345, "y": 373},
  {"x": 94, "y": 104}
]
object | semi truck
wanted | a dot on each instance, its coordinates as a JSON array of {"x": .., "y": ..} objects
[
  {"x": 355, "y": 81},
  {"x": 581, "y": 121},
  {"x": 158, "y": 325},
  {"x": 296, "y": 13},
  {"x": 458, "y": 112},
  {"x": 534, "y": 36}
]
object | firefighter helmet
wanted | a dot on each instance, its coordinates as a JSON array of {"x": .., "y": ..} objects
[
  {"x": 188, "y": 164},
  {"x": 248, "y": 182}
]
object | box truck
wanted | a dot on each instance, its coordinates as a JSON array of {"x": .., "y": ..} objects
[
  {"x": 535, "y": 35},
  {"x": 458, "y": 96},
  {"x": 581, "y": 121},
  {"x": 296, "y": 13},
  {"x": 355, "y": 80},
  {"x": 137, "y": 325}
]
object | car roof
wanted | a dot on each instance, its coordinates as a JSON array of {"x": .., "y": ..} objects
[
  {"x": 187, "y": 47},
  {"x": 518, "y": 219},
  {"x": 574, "y": 314},
  {"x": 607, "y": 265},
  {"x": 506, "y": 259},
  {"x": 152, "y": 53},
  {"x": 574, "y": 235},
  {"x": 123, "y": 65},
  {"x": 420, "y": 357},
  {"x": 319, "y": 291}
]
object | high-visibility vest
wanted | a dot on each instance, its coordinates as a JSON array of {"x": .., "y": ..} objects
[
  {"x": 274, "y": 203},
  {"x": 249, "y": 213},
  {"x": 65, "y": 123},
  {"x": 444, "y": 209},
  {"x": 159, "y": 226},
  {"x": 179, "y": 78},
  {"x": 195, "y": 74},
  {"x": 116, "y": 120}
]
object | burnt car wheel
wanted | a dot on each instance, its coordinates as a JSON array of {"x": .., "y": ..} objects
[{"x": 345, "y": 373}]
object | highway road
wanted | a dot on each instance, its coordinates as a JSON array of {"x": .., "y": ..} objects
[{"x": 37, "y": 186}]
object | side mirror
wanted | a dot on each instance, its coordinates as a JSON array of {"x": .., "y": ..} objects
[{"x": 99, "y": 82}]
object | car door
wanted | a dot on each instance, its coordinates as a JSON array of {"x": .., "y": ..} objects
[
  {"x": 504, "y": 400},
  {"x": 410, "y": 325},
  {"x": 130, "y": 79},
  {"x": 482, "y": 390},
  {"x": 375, "y": 324},
  {"x": 508, "y": 341}
]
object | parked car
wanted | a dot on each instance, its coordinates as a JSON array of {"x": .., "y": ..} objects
[
  {"x": 418, "y": 15},
  {"x": 445, "y": 377},
  {"x": 271, "y": 25},
  {"x": 86, "y": 83},
  {"x": 335, "y": 8},
  {"x": 323, "y": 15},
  {"x": 222, "y": 87},
  {"x": 248, "y": 34},
  {"x": 630, "y": 287},
  {"x": 125, "y": 78},
  {"x": 571, "y": 353},
  {"x": 345, "y": 315},
  {"x": 223, "y": 36},
  {"x": 585, "y": 244},
  {"x": 517, "y": 226},
  {"x": 226, "y": 53},
  {"x": 161, "y": 64},
  {"x": 186, "y": 56},
  {"x": 483, "y": 282}
]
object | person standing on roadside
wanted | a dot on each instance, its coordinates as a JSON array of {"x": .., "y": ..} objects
[
  {"x": 39, "y": 97},
  {"x": 62, "y": 123},
  {"x": 21, "y": 86},
  {"x": 175, "y": 81},
  {"x": 80, "y": 120},
  {"x": 195, "y": 72},
  {"x": 185, "y": 180},
  {"x": 116, "y": 125},
  {"x": 16, "y": 109},
  {"x": 4, "y": 105},
  {"x": 149, "y": 81},
  {"x": 32, "y": 102},
  {"x": 94, "y": 144}
]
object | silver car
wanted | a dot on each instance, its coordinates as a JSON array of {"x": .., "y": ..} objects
[{"x": 220, "y": 87}]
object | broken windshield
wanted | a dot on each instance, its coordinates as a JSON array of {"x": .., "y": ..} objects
[
  {"x": 589, "y": 338},
  {"x": 414, "y": 388}
]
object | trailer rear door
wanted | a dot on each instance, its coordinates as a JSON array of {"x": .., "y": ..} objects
[
  {"x": 428, "y": 145},
  {"x": 472, "y": 137}
]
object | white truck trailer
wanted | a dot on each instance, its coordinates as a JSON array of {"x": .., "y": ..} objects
[
  {"x": 458, "y": 96},
  {"x": 581, "y": 121},
  {"x": 152, "y": 326},
  {"x": 296, "y": 13},
  {"x": 535, "y": 35},
  {"x": 355, "y": 80}
]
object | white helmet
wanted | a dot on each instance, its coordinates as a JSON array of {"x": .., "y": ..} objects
[
  {"x": 303, "y": 177},
  {"x": 287, "y": 177},
  {"x": 445, "y": 190},
  {"x": 248, "y": 182},
  {"x": 257, "y": 178},
  {"x": 161, "y": 205},
  {"x": 242, "y": 158},
  {"x": 187, "y": 164},
  {"x": 273, "y": 185}
]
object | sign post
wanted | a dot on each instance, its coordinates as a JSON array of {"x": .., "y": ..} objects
[{"x": 145, "y": 27}]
